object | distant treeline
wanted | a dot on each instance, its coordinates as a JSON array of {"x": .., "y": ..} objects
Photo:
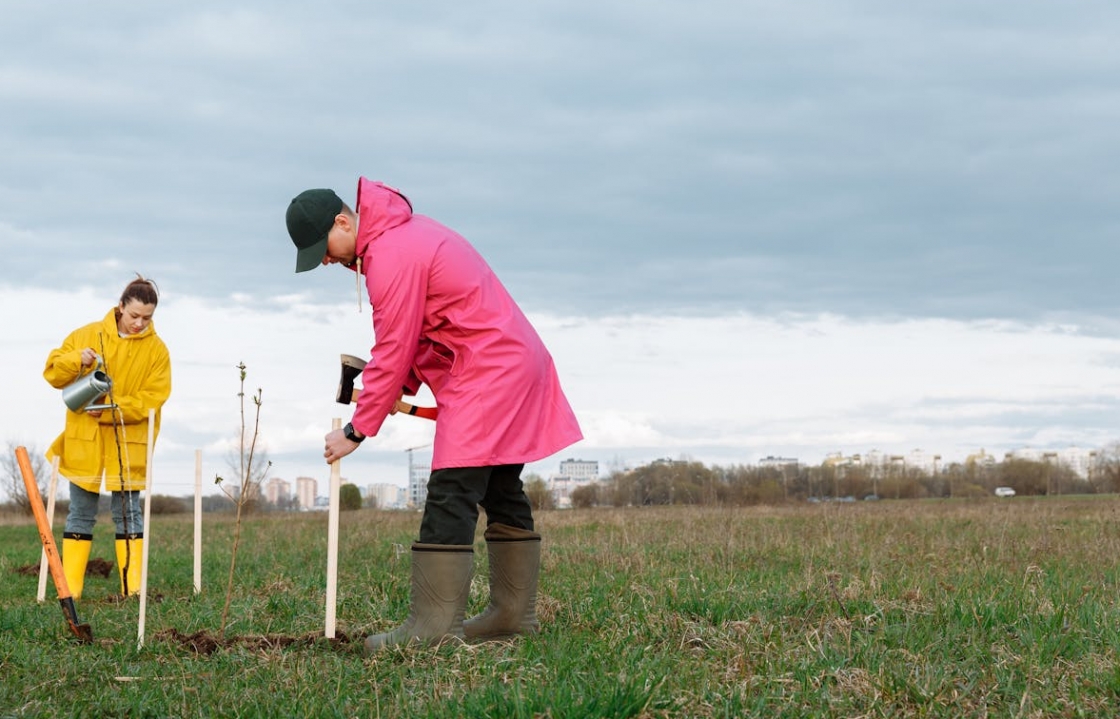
[
  {"x": 692, "y": 483},
  {"x": 686, "y": 482}
]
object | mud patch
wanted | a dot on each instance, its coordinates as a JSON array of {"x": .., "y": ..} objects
[
  {"x": 95, "y": 568},
  {"x": 99, "y": 568},
  {"x": 203, "y": 642}
]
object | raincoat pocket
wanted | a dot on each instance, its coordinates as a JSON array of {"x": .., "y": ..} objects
[
  {"x": 83, "y": 429},
  {"x": 434, "y": 364}
]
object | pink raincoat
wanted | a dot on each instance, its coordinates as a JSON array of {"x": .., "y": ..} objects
[{"x": 442, "y": 318}]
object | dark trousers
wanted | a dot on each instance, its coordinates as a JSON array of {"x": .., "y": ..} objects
[{"x": 454, "y": 496}]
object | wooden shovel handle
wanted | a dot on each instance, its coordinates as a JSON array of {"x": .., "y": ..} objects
[
  {"x": 66, "y": 601},
  {"x": 36, "y": 501}
]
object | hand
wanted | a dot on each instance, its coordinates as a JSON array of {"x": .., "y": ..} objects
[
  {"x": 88, "y": 357},
  {"x": 337, "y": 446}
]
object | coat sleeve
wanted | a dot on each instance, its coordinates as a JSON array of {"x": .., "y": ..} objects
[
  {"x": 411, "y": 384},
  {"x": 398, "y": 291},
  {"x": 64, "y": 364}
]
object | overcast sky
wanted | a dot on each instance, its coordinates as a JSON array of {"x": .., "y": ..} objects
[{"x": 743, "y": 228}]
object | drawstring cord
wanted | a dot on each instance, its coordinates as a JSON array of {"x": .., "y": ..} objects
[{"x": 358, "y": 281}]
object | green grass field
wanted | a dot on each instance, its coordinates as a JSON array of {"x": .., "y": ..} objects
[{"x": 1001, "y": 608}]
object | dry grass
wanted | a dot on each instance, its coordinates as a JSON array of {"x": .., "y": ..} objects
[{"x": 878, "y": 609}]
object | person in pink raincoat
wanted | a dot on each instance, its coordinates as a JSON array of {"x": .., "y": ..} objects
[{"x": 442, "y": 318}]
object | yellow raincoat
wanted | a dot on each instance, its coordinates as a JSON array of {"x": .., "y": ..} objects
[{"x": 140, "y": 368}]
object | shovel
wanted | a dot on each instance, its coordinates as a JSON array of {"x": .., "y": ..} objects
[{"x": 81, "y": 631}]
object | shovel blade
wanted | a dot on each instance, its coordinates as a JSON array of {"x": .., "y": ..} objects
[{"x": 82, "y": 631}]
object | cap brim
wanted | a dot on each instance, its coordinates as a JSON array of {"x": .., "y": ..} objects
[{"x": 311, "y": 257}]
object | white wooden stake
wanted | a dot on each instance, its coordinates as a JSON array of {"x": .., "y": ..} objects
[
  {"x": 147, "y": 529},
  {"x": 332, "y": 539},
  {"x": 197, "y": 521},
  {"x": 43, "y": 567}
]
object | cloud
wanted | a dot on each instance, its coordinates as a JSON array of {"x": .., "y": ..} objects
[
  {"x": 925, "y": 160},
  {"x": 726, "y": 389},
  {"x": 743, "y": 232}
]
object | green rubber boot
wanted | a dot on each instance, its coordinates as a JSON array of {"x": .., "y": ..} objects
[
  {"x": 441, "y": 582},
  {"x": 515, "y": 563}
]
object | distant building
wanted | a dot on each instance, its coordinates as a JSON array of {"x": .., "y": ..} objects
[
  {"x": 981, "y": 458},
  {"x": 778, "y": 462},
  {"x": 278, "y": 491},
  {"x": 580, "y": 469},
  {"x": 837, "y": 459},
  {"x": 574, "y": 473},
  {"x": 1079, "y": 461},
  {"x": 307, "y": 488},
  {"x": 385, "y": 495},
  {"x": 1028, "y": 454},
  {"x": 418, "y": 483},
  {"x": 920, "y": 459}
]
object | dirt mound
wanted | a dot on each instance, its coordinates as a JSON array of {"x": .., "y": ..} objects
[
  {"x": 99, "y": 567},
  {"x": 203, "y": 642},
  {"x": 96, "y": 567}
]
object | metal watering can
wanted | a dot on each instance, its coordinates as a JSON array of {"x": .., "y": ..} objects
[{"x": 80, "y": 393}]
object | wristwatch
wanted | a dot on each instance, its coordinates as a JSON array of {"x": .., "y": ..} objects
[{"x": 351, "y": 434}]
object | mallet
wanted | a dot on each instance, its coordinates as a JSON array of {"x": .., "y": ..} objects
[
  {"x": 81, "y": 631},
  {"x": 351, "y": 369}
]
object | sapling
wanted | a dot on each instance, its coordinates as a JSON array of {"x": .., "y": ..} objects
[{"x": 248, "y": 484}]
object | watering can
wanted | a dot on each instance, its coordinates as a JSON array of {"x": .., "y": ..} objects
[{"x": 79, "y": 394}]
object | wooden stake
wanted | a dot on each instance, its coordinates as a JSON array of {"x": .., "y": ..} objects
[
  {"x": 332, "y": 539},
  {"x": 147, "y": 529},
  {"x": 43, "y": 568},
  {"x": 198, "y": 521}
]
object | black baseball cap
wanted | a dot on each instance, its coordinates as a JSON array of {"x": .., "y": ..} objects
[{"x": 310, "y": 217}]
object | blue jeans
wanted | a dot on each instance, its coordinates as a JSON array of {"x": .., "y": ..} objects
[{"x": 83, "y": 512}]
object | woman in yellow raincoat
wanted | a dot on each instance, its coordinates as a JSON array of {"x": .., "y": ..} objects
[{"x": 110, "y": 444}]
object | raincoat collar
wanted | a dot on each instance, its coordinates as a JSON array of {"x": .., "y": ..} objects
[{"x": 380, "y": 208}]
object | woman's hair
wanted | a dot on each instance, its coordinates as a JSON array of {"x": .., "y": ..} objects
[{"x": 142, "y": 290}]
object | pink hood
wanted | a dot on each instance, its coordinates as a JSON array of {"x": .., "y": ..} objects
[{"x": 441, "y": 317}]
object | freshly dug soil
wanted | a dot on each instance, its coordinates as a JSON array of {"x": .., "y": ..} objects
[
  {"x": 203, "y": 642},
  {"x": 96, "y": 568}
]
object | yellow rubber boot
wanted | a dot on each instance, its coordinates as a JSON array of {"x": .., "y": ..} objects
[
  {"x": 129, "y": 553},
  {"x": 75, "y": 557}
]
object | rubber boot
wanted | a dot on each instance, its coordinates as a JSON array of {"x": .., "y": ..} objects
[
  {"x": 75, "y": 557},
  {"x": 129, "y": 563},
  {"x": 515, "y": 563},
  {"x": 441, "y": 582}
]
